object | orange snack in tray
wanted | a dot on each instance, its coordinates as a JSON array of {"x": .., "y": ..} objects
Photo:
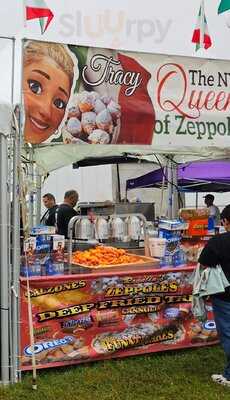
[{"x": 102, "y": 255}]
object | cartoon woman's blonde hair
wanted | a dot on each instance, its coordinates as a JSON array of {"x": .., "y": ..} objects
[{"x": 34, "y": 51}]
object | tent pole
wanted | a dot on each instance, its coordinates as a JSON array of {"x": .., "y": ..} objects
[
  {"x": 170, "y": 190},
  {"x": 162, "y": 189},
  {"x": 118, "y": 183},
  {"x": 38, "y": 196},
  {"x": 175, "y": 190},
  {"x": 15, "y": 248},
  {"x": 196, "y": 199},
  {"x": 4, "y": 254},
  {"x": 31, "y": 190}
]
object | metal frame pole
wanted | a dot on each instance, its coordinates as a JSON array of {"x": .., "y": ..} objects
[
  {"x": 38, "y": 196},
  {"x": 4, "y": 255},
  {"x": 170, "y": 191},
  {"x": 31, "y": 190},
  {"x": 162, "y": 190},
  {"x": 175, "y": 202},
  {"x": 10, "y": 218},
  {"x": 118, "y": 183},
  {"x": 15, "y": 250},
  {"x": 5, "y": 232},
  {"x": 196, "y": 199}
]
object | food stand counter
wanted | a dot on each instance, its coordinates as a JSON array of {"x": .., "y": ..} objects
[{"x": 89, "y": 316}]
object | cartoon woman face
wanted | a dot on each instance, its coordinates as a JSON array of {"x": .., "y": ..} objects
[{"x": 46, "y": 90}]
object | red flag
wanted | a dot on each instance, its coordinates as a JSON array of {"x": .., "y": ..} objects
[{"x": 37, "y": 9}]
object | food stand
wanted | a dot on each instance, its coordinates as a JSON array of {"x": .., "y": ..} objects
[
  {"x": 85, "y": 313},
  {"x": 195, "y": 144},
  {"x": 108, "y": 303}
]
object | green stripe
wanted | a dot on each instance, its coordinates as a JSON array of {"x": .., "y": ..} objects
[
  {"x": 42, "y": 23},
  {"x": 224, "y": 6}
]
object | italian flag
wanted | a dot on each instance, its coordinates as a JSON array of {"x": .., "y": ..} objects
[
  {"x": 201, "y": 35},
  {"x": 224, "y": 6},
  {"x": 37, "y": 9}
]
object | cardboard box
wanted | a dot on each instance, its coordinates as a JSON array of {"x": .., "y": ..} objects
[{"x": 197, "y": 227}]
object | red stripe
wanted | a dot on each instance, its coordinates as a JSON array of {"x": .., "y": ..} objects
[
  {"x": 207, "y": 41},
  {"x": 33, "y": 13},
  {"x": 137, "y": 111},
  {"x": 196, "y": 36}
]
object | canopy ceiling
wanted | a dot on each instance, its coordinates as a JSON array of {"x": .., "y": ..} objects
[{"x": 52, "y": 157}]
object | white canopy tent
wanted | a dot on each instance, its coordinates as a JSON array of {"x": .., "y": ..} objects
[
  {"x": 51, "y": 157},
  {"x": 48, "y": 159}
]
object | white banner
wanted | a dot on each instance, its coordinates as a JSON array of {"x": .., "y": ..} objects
[{"x": 102, "y": 96}]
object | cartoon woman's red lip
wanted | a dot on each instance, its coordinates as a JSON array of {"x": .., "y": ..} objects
[{"x": 39, "y": 124}]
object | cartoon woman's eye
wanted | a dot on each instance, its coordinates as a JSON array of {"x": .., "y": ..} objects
[
  {"x": 59, "y": 103},
  {"x": 35, "y": 86}
]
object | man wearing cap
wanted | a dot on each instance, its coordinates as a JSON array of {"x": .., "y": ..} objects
[{"x": 214, "y": 211}]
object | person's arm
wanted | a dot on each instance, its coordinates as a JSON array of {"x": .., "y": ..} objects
[{"x": 212, "y": 211}]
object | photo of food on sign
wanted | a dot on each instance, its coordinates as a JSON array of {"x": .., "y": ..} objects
[{"x": 84, "y": 96}]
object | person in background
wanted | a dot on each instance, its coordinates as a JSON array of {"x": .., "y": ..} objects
[
  {"x": 48, "y": 217},
  {"x": 214, "y": 211},
  {"x": 216, "y": 252},
  {"x": 66, "y": 211}
]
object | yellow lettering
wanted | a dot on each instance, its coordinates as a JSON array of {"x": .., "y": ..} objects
[
  {"x": 118, "y": 291},
  {"x": 104, "y": 305},
  {"x": 63, "y": 313},
  {"x": 118, "y": 303},
  {"x": 164, "y": 287},
  {"x": 110, "y": 291},
  {"x": 173, "y": 286},
  {"x": 129, "y": 290},
  {"x": 107, "y": 345},
  {"x": 87, "y": 307},
  {"x": 170, "y": 335},
  {"x": 153, "y": 300},
  {"x": 46, "y": 315},
  {"x": 139, "y": 300}
]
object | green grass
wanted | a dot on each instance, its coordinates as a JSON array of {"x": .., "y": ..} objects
[{"x": 177, "y": 375}]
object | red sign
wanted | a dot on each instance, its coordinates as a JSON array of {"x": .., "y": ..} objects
[{"x": 80, "y": 318}]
